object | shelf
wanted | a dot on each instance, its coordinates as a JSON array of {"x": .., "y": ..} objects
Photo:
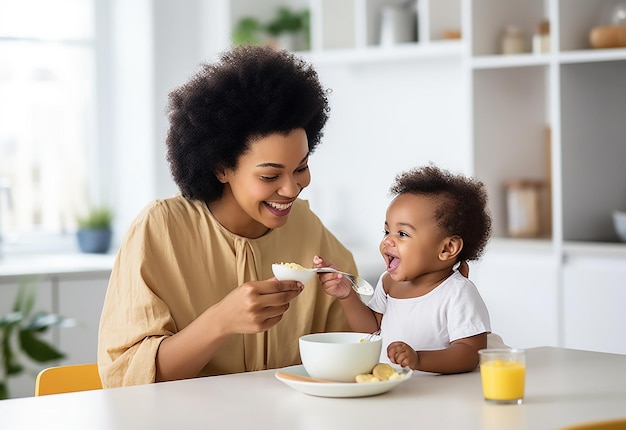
[
  {"x": 529, "y": 59},
  {"x": 592, "y": 55},
  {"x": 595, "y": 249},
  {"x": 379, "y": 54},
  {"x": 505, "y": 61},
  {"x": 533, "y": 246}
]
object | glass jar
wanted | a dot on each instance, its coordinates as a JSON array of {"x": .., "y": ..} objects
[
  {"x": 512, "y": 40},
  {"x": 523, "y": 207}
]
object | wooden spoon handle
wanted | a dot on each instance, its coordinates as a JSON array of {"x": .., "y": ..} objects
[{"x": 301, "y": 378}]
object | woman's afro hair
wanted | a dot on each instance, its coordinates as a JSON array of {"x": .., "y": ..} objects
[{"x": 249, "y": 93}]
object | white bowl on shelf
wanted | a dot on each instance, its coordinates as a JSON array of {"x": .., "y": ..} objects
[{"x": 619, "y": 222}]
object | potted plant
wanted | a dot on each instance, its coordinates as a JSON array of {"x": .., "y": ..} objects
[
  {"x": 20, "y": 336},
  {"x": 290, "y": 29},
  {"x": 247, "y": 31},
  {"x": 94, "y": 230}
]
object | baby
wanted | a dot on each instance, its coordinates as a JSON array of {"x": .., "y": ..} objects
[{"x": 431, "y": 317}]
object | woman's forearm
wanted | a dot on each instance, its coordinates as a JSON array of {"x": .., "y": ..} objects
[{"x": 184, "y": 354}]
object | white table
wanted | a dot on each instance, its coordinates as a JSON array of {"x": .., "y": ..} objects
[{"x": 563, "y": 387}]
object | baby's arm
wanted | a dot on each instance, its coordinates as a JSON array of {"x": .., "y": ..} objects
[
  {"x": 461, "y": 356},
  {"x": 359, "y": 316}
]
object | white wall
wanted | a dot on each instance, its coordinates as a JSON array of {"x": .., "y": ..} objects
[
  {"x": 385, "y": 117},
  {"x": 149, "y": 47},
  {"x": 126, "y": 44}
]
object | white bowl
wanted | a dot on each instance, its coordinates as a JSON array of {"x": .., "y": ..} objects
[
  {"x": 619, "y": 222},
  {"x": 287, "y": 272},
  {"x": 339, "y": 356}
]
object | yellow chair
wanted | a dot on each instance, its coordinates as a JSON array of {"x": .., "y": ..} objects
[
  {"x": 616, "y": 424},
  {"x": 68, "y": 379}
]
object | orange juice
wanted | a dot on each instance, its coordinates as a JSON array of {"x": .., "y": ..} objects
[{"x": 503, "y": 381}]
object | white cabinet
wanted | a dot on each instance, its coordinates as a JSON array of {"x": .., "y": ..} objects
[
  {"x": 24, "y": 385},
  {"x": 593, "y": 301},
  {"x": 79, "y": 296},
  {"x": 81, "y": 299},
  {"x": 556, "y": 117},
  {"x": 521, "y": 292}
]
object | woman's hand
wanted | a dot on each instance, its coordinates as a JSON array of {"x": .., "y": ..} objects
[
  {"x": 253, "y": 307},
  {"x": 402, "y": 354},
  {"x": 256, "y": 306},
  {"x": 333, "y": 284}
]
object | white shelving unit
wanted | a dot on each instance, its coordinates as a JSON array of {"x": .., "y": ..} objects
[
  {"x": 576, "y": 92},
  {"x": 557, "y": 116},
  {"x": 348, "y": 25}
]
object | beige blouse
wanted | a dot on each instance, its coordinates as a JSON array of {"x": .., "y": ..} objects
[{"x": 177, "y": 260}]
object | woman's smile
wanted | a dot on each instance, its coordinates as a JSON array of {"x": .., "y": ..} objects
[{"x": 279, "y": 209}]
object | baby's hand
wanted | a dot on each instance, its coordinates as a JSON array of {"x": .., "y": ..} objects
[
  {"x": 334, "y": 284},
  {"x": 402, "y": 354}
]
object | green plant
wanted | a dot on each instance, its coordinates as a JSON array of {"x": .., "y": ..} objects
[
  {"x": 250, "y": 31},
  {"x": 20, "y": 335},
  {"x": 97, "y": 217},
  {"x": 247, "y": 31},
  {"x": 288, "y": 21}
]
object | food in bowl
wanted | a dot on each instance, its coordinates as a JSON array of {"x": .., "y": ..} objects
[
  {"x": 294, "y": 266},
  {"x": 292, "y": 272},
  {"x": 339, "y": 356}
]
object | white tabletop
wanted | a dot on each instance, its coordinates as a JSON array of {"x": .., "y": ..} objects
[{"x": 563, "y": 387}]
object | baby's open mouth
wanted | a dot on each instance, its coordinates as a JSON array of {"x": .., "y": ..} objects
[{"x": 392, "y": 262}]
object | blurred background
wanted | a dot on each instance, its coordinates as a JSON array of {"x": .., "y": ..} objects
[{"x": 517, "y": 94}]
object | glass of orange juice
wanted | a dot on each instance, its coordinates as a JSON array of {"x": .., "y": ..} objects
[{"x": 503, "y": 375}]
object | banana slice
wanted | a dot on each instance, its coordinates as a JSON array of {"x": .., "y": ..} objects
[
  {"x": 366, "y": 377},
  {"x": 383, "y": 371}
]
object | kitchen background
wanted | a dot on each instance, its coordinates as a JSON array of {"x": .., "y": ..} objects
[{"x": 477, "y": 87}]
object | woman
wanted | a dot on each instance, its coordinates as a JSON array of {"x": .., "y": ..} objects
[{"x": 191, "y": 292}]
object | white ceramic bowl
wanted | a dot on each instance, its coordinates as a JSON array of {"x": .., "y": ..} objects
[
  {"x": 339, "y": 356},
  {"x": 285, "y": 273},
  {"x": 619, "y": 222}
]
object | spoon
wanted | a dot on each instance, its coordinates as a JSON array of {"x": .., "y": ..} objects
[
  {"x": 371, "y": 336},
  {"x": 301, "y": 378},
  {"x": 283, "y": 272}
]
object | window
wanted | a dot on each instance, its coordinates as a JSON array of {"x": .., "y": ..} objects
[{"x": 47, "y": 114}]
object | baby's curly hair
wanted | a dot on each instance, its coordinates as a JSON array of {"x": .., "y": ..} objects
[
  {"x": 462, "y": 208},
  {"x": 251, "y": 92}
]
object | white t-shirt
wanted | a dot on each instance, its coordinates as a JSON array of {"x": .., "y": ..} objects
[{"x": 453, "y": 310}]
